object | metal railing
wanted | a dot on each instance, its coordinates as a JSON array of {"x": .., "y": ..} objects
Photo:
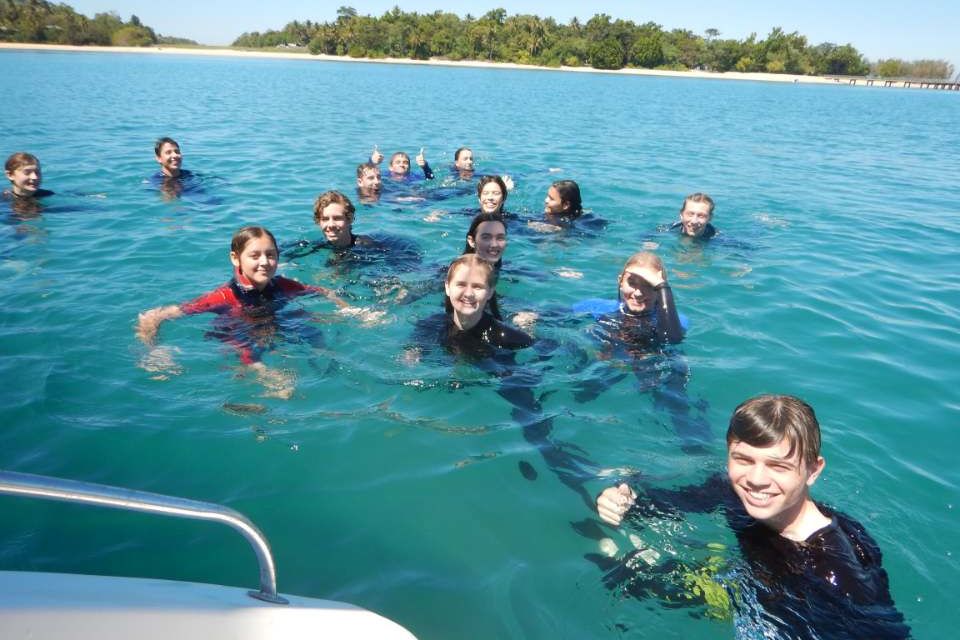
[{"x": 25, "y": 484}]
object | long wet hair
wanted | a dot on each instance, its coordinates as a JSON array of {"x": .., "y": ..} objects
[
  {"x": 472, "y": 261},
  {"x": 767, "y": 420},
  {"x": 479, "y": 219},
  {"x": 493, "y": 305},
  {"x": 570, "y": 193}
]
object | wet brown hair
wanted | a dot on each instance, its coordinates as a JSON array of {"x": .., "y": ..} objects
[
  {"x": 327, "y": 198},
  {"x": 765, "y": 421}
]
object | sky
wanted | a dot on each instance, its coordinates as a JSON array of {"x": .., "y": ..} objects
[{"x": 877, "y": 28}]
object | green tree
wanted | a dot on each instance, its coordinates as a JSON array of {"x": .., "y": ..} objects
[{"x": 606, "y": 54}]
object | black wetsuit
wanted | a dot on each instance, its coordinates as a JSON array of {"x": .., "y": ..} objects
[
  {"x": 708, "y": 232},
  {"x": 486, "y": 339},
  {"x": 830, "y": 586},
  {"x": 640, "y": 333}
]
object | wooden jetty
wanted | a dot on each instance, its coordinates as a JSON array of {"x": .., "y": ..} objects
[{"x": 906, "y": 83}]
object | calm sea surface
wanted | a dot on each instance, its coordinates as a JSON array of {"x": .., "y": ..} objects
[{"x": 396, "y": 485}]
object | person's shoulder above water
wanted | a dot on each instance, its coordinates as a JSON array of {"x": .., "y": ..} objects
[{"x": 502, "y": 335}]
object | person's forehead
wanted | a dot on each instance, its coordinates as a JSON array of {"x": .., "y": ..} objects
[
  {"x": 696, "y": 207},
  {"x": 491, "y": 226},
  {"x": 169, "y": 146},
  {"x": 779, "y": 451}
]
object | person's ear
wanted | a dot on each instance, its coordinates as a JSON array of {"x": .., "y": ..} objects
[{"x": 815, "y": 470}]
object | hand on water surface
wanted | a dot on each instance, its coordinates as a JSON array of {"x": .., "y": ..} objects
[{"x": 614, "y": 502}]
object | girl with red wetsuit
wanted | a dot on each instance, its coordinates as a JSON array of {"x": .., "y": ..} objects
[{"x": 250, "y": 299}]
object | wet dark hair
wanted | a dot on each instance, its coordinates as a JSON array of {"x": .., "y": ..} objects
[
  {"x": 456, "y": 154},
  {"x": 698, "y": 197},
  {"x": 162, "y": 141},
  {"x": 327, "y": 198},
  {"x": 493, "y": 305},
  {"x": 246, "y": 234},
  {"x": 485, "y": 180},
  {"x": 20, "y": 159},
  {"x": 570, "y": 192},
  {"x": 765, "y": 421},
  {"x": 479, "y": 219},
  {"x": 473, "y": 261}
]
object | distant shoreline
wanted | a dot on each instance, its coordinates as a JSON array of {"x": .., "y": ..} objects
[{"x": 302, "y": 54}]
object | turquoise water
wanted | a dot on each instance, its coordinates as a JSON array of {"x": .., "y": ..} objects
[{"x": 377, "y": 483}]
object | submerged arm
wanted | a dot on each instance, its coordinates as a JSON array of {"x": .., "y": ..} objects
[{"x": 148, "y": 323}]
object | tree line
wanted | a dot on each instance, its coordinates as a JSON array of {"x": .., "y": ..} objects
[
  {"x": 602, "y": 43},
  {"x": 45, "y": 22}
]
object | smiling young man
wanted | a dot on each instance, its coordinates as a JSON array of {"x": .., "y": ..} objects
[
  {"x": 816, "y": 572},
  {"x": 695, "y": 216}
]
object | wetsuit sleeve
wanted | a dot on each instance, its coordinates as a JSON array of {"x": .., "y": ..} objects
[
  {"x": 427, "y": 171},
  {"x": 673, "y": 503},
  {"x": 668, "y": 320},
  {"x": 292, "y": 288},
  {"x": 216, "y": 301}
]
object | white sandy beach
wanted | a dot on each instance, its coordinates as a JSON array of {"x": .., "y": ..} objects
[{"x": 302, "y": 54}]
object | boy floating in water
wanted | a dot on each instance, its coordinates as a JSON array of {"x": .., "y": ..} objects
[
  {"x": 814, "y": 572},
  {"x": 695, "y": 216},
  {"x": 23, "y": 172}
]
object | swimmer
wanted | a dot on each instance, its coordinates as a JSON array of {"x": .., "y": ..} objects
[
  {"x": 563, "y": 209},
  {"x": 695, "y": 216},
  {"x": 23, "y": 172},
  {"x": 334, "y": 214},
  {"x": 817, "y": 572},
  {"x": 636, "y": 329},
  {"x": 369, "y": 183},
  {"x": 168, "y": 156},
  {"x": 563, "y": 201},
  {"x": 465, "y": 327},
  {"x": 647, "y": 315},
  {"x": 487, "y": 238},
  {"x": 247, "y": 302},
  {"x": 463, "y": 163},
  {"x": 492, "y": 194},
  {"x": 399, "y": 168}
]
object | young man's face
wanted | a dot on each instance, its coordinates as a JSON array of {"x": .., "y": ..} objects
[
  {"x": 169, "y": 159},
  {"x": 464, "y": 161},
  {"x": 336, "y": 224},
  {"x": 369, "y": 181},
  {"x": 399, "y": 164},
  {"x": 25, "y": 180},
  {"x": 771, "y": 484},
  {"x": 694, "y": 218}
]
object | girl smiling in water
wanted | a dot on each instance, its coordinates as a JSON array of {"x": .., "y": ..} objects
[{"x": 246, "y": 304}]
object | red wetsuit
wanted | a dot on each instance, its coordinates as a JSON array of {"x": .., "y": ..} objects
[{"x": 247, "y": 311}]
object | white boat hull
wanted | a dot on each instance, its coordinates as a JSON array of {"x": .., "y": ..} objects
[{"x": 51, "y": 606}]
